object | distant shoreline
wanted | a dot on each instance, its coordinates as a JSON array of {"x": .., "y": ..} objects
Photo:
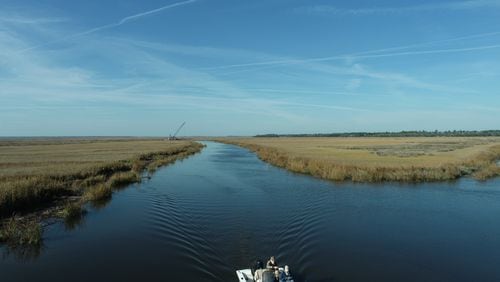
[{"x": 449, "y": 133}]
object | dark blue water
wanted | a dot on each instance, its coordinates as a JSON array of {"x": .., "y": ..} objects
[{"x": 205, "y": 217}]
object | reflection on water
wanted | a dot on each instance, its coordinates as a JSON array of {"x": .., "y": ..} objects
[
  {"x": 100, "y": 203},
  {"x": 21, "y": 253},
  {"x": 78, "y": 220},
  {"x": 218, "y": 211}
]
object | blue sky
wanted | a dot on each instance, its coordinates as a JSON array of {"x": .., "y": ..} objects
[{"x": 235, "y": 67}]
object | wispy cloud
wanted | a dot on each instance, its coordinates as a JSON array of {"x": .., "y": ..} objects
[
  {"x": 168, "y": 80},
  {"x": 375, "y": 53},
  {"x": 295, "y": 91},
  {"x": 385, "y": 10},
  {"x": 111, "y": 25},
  {"x": 346, "y": 80},
  {"x": 13, "y": 19},
  {"x": 146, "y": 81},
  {"x": 390, "y": 79}
]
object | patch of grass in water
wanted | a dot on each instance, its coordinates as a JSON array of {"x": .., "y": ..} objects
[
  {"x": 97, "y": 193},
  {"x": 23, "y": 192},
  {"x": 19, "y": 233},
  {"x": 122, "y": 179},
  {"x": 73, "y": 214}
]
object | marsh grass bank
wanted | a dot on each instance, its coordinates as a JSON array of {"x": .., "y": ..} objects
[
  {"x": 39, "y": 181},
  {"x": 381, "y": 159}
]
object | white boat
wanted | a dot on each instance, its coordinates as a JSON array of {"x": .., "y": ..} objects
[{"x": 244, "y": 275}]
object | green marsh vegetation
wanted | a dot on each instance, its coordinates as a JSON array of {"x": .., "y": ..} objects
[{"x": 42, "y": 179}]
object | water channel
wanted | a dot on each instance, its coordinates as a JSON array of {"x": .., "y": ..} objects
[{"x": 206, "y": 216}]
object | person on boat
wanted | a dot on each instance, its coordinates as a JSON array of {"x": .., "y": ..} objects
[
  {"x": 276, "y": 275},
  {"x": 258, "y": 264},
  {"x": 257, "y": 276},
  {"x": 271, "y": 263},
  {"x": 286, "y": 276},
  {"x": 263, "y": 275}
]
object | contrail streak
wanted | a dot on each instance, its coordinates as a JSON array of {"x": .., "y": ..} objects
[
  {"x": 366, "y": 54},
  {"x": 129, "y": 18},
  {"x": 439, "y": 51},
  {"x": 121, "y": 22},
  {"x": 431, "y": 43}
]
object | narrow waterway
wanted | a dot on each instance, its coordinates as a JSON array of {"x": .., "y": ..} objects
[{"x": 204, "y": 217}]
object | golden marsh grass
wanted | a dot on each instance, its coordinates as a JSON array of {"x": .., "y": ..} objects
[
  {"x": 67, "y": 173},
  {"x": 376, "y": 159}
]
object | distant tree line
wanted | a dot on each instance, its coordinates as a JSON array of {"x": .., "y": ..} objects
[{"x": 423, "y": 133}]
